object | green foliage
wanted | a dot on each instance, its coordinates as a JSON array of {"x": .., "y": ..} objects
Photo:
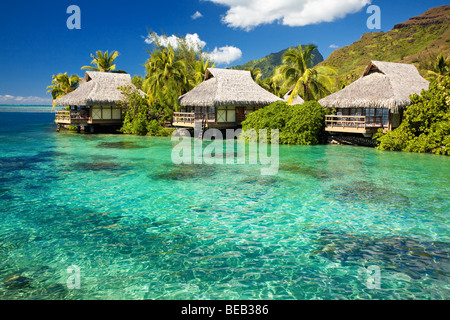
[
  {"x": 412, "y": 43},
  {"x": 62, "y": 84},
  {"x": 140, "y": 117},
  {"x": 438, "y": 68},
  {"x": 155, "y": 129},
  {"x": 104, "y": 62},
  {"x": 298, "y": 74},
  {"x": 172, "y": 70},
  {"x": 426, "y": 123},
  {"x": 137, "y": 81},
  {"x": 297, "y": 124},
  {"x": 269, "y": 63}
]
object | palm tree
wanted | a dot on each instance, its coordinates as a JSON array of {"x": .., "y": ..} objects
[
  {"x": 297, "y": 73},
  {"x": 62, "y": 84},
  {"x": 256, "y": 74},
  {"x": 439, "y": 68},
  {"x": 104, "y": 62},
  {"x": 273, "y": 85},
  {"x": 200, "y": 67},
  {"x": 166, "y": 77}
]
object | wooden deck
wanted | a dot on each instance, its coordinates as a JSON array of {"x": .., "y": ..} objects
[
  {"x": 188, "y": 119},
  {"x": 353, "y": 124},
  {"x": 80, "y": 118}
]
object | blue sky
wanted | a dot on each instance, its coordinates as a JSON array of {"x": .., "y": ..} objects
[{"x": 36, "y": 42}]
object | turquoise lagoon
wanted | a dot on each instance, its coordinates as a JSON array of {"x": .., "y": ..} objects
[{"x": 140, "y": 227}]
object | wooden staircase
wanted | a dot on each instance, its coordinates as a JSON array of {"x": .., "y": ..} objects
[{"x": 199, "y": 127}]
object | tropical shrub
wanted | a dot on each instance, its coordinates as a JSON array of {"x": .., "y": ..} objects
[
  {"x": 140, "y": 117},
  {"x": 426, "y": 123},
  {"x": 297, "y": 124}
]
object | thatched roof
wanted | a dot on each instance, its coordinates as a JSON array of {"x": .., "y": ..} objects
[
  {"x": 382, "y": 85},
  {"x": 98, "y": 88},
  {"x": 297, "y": 99},
  {"x": 227, "y": 87}
]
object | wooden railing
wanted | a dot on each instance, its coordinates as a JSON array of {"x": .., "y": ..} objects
[
  {"x": 70, "y": 115},
  {"x": 354, "y": 121},
  {"x": 184, "y": 117},
  {"x": 190, "y": 117},
  {"x": 62, "y": 115}
]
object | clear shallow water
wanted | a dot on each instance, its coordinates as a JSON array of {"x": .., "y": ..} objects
[{"x": 140, "y": 227}]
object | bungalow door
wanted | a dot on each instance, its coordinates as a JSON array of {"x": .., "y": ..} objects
[{"x": 240, "y": 115}]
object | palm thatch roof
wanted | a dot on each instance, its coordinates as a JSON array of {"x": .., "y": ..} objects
[
  {"x": 297, "y": 99},
  {"x": 98, "y": 88},
  {"x": 227, "y": 87},
  {"x": 382, "y": 85}
]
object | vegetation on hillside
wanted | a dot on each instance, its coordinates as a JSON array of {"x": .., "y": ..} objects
[
  {"x": 268, "y": 64},
  {"x": 438, "y": 68},
  {"x": 414, "y": 41}
]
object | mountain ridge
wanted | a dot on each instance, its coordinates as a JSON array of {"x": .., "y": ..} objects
[
  {"x": 416, "y": 41},
  {"x": 268, "y": 63}
]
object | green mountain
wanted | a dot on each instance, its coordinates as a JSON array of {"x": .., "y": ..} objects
[
  {"x": 418, "y": 41},
  {"x": 269, "y": 63}
]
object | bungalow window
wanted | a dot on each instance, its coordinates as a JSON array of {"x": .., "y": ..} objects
[
  {"x": 226, "y": 114},
  {"x": 385, "y": 117},
  {"x": 106, "y": 112},
  {"x": 116, "y": 113},
  {"x": 96, "y": 112},
  {"x": 231, "y": 115}
]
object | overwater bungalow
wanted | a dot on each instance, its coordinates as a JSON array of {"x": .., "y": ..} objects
[
  {"x": 95, "y": 102},
  {"x": 376, "y": 100},
  {"x": 222, "y": 100}
]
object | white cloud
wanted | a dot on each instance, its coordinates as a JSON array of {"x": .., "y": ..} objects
[
  {"x": 19, "y": 100},
  {"x": 225, "y": 55},
  {"x": 334, "y": 46},
  {"x": 193, "y": 40},
  {"x": 196, "y": 15},
  {"x": 247, "y": 14},
  {"x": 222, "y": 55}
]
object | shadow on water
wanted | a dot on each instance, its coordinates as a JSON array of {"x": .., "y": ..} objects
[
  {"x": 316, "y": 173},
  {"x": 417, "y": 259},
  {"x": 364, "y": 191},
  {"x": 102, "y": 157},
  {"x": 27, "y": 162},
  {"x": 271, "y": 181},
  {"x": 27, "y": 173},
  {"x": 120, "y": 145},
  {"x": 98, "y": 166},
  {"x": 185, "y": 172}
]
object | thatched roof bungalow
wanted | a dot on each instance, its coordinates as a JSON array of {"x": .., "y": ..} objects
[
  {"x": 223, "y": 99},
  {"x": 98, "y": 88},
  {"x": 95, "y": 101},
  {"x": 375, "y": 100}
]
